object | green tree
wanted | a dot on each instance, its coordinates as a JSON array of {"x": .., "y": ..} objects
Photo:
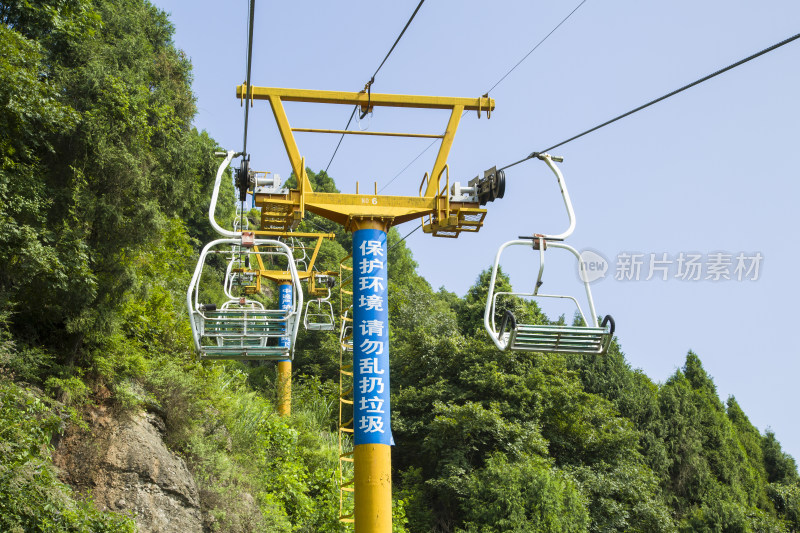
[{"x": 523, "y": 496}]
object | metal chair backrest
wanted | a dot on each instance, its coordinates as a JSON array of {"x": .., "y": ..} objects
[
  {"x": 242, "y": 328},
  {"x": 588, "y": 338}
]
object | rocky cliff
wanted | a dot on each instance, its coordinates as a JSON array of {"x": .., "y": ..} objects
[{"x": 122, "y": 461}]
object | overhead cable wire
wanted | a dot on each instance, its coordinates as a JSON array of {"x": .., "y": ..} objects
[
  {"x": 659, "y": 99},
  {"x": 251, "y": 24},
  {"x": 368, "y": 85},
  {"x": 408, "y": 165},
  {"x": 414, "y": 14},
  {"x": 537, "y": 46},
  {"x": 404, "y": 238},
  {"x": 249, "y": 68},
  {"x": 245, "y": 158},
  {"x": 492, "y": 88},
  {"x": 349, "y": 120}
]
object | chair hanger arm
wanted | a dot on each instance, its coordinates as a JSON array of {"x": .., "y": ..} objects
[
  {"x": 547, "y": 158},
  {"x": 213, "y": 206}
]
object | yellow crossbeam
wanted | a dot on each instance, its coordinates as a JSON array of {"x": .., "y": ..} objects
[
  {"x": 342, "y": 208},
  {"x": 381, "y": 133},
  {"x": 298, "y": 234},
  {"x": 483, "y": 103},
  {"x": 284, "y": 211},
  {"x": 279, "y": 276}
]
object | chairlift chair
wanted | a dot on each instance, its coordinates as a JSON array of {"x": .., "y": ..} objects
[
  {"x": 586, "y": 339},
  {"x": 319, "y": 315},
  {"x": 299, "y": 260},
  {"x": 243, "y": 329},
  {"x": 237, "y": 221},
  {"x": 346, "y": 331},
  {"x": 238, "y": 273},
  {"x": 236, "y": 305},
  {"x": 319, "y": 311}
]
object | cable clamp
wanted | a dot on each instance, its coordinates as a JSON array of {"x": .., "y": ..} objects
[
  {"x": 480, "y": 106},
  {"x": 368, "y": 90}
]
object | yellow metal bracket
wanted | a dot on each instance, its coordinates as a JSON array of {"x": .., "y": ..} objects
[
  {"x": 284, "y": 211},
  {"x": 284, "y": 275},
  {"x": 314, "y": 288}
]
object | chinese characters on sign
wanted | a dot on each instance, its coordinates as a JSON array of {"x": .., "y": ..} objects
[
  {"x": 716, "y": 266},
  {"x": 370, "y": 339},
  {"x": 286, "y": 304}
]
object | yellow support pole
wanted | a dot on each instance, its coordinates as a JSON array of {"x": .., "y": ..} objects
[
  {"x": 372, "y": 417},
  {"x": 284, "y": 374},
  {"x": 284, "y": 385},
  {"x": 373, "y": 488}
]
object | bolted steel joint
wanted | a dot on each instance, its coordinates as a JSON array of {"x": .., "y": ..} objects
[{"x": 491, "y": 187}]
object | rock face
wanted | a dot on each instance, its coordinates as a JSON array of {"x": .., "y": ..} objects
[{"x": 125, "y": 466}]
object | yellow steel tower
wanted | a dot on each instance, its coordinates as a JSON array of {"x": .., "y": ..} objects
[
  {"x": 445, "y": 212},
  {"x": 284, "y": 282}
]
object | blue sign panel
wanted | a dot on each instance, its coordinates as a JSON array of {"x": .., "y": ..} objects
[
  {"x": 286, "y": 303},
  {"x": 371, "y": 409}
]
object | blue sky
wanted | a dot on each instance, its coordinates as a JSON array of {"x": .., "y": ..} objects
[{"x": 712, "y": 170}]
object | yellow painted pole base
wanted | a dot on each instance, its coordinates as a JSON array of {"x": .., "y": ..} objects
[
  {"x": 373, "y": 488},
  {"x": 284, "y": 386}
]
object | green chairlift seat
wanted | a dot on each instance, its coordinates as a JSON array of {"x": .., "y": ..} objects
[{"x": 557, "y": 338}]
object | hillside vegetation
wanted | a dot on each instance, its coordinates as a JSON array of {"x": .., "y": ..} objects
[{"x": 104, "y": 186}]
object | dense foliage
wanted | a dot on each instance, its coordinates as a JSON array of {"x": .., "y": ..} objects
[
  {"x": 31, "y": 496},
  {"x": 104, "y": 186}
]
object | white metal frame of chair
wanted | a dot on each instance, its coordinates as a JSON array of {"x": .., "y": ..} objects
[
  {"x": 244, "y": 332},
  {"x": 237, "y": 224},
  {"x": 562, "y": 185},
  {"x": 237, "y": 220},
  {"x": 232, "y": 277},
  {"x": 237, "y": 305},
  {"x": 322, "y": 319},
  {"x": 297, "y": 244},
  {"x": 212, "y": 207},
  {"x": 346, "y": 331},
  {"x": 547, "y": 338},
  {"x": 243, "y": 303}
]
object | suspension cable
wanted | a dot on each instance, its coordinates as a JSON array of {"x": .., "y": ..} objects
[
  {"x": 404, "y": 238},
  {"x": 368, "y": 85},
  {"x": 414, "y": 14},
  {"x": 408, "y": 165},
  {"x": 659, "y": 99},
  {"x": 251, "y": 24},
  {"x": 668, "y": 95},
  {"x": 537, "y": 46},
  {"x": 492, "y": 88},
  {"x": 349, "y": 120},
  {"x": 249, "y": 67}
]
